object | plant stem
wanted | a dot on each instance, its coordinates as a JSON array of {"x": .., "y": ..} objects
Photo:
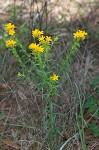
[
  {"x": 69, "y": 56},
  {"x": 51, "y": 123}
]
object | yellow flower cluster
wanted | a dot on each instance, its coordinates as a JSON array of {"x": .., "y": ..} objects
[
  {"x": 36, "y": 47},
  {"x": 54, "y": 77},
  {"x": 80, "y": 34},
  {"x": 45, "y": 39},
  {"x": 42, "y": 40},
  {"x": 10, "y": 43},
  {"x": 37, "y": 33},
  {"x": 10, "y": 28}
]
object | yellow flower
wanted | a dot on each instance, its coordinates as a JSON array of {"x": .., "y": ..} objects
[
  {"x": 36, "y": 48},
  {"x": 54, "y": 77},
  {"x": 39, "y": 49},
  {"x": 32, "y": 46},
  {"x": 11, "y": 32},
  {"x": 10, "y": 43},
  {"x": 41, "y": 39},
  {"x": 37, "y": 33},
  {"x": 80, "y": 34},
  {"x": 9, "y": 26},
  {"x": 48, "y": 39}
]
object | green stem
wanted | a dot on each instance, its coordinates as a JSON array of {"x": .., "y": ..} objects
[
  {"x": 82, "y": 126},
  {"x": 69, "y": 56},
  {"x": 17, "y": 56},
  {"x": 51, "y": 114},
  {"x": 51, "y": 123}
]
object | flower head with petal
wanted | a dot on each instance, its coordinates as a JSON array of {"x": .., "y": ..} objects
[
  {"x": 10, "y": 28},
  {"x": 42, "y": 39},
  {"x": 54, "y": 77},
  {"x": 48, "y": 39},
  {"x": 11, "y": 32},
  {"x": 80, "y": 35},
  {"x": 36, "y": 48},
  {"x": 10, "y": 43},
  {"x": 37, "y": 33}
]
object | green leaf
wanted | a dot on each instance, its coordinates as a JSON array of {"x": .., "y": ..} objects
[
  {"x": 95, "y": 82},
  {"x": 94, "y": 129},
  {"x": 93, "y": 108},
  {"x": 90, "y": 102},
  {"x": 55, "y": 39}
]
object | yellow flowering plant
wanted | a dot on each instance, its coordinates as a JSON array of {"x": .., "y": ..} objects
[
  {"x": 78, "y": 36},
  {"x": 35, "y": 62}
]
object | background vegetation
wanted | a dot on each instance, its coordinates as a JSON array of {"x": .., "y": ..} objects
[{"x": 23, "y": 110}]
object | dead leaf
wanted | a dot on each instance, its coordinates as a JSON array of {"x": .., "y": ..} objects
[{"x": 10, "y": 143}]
